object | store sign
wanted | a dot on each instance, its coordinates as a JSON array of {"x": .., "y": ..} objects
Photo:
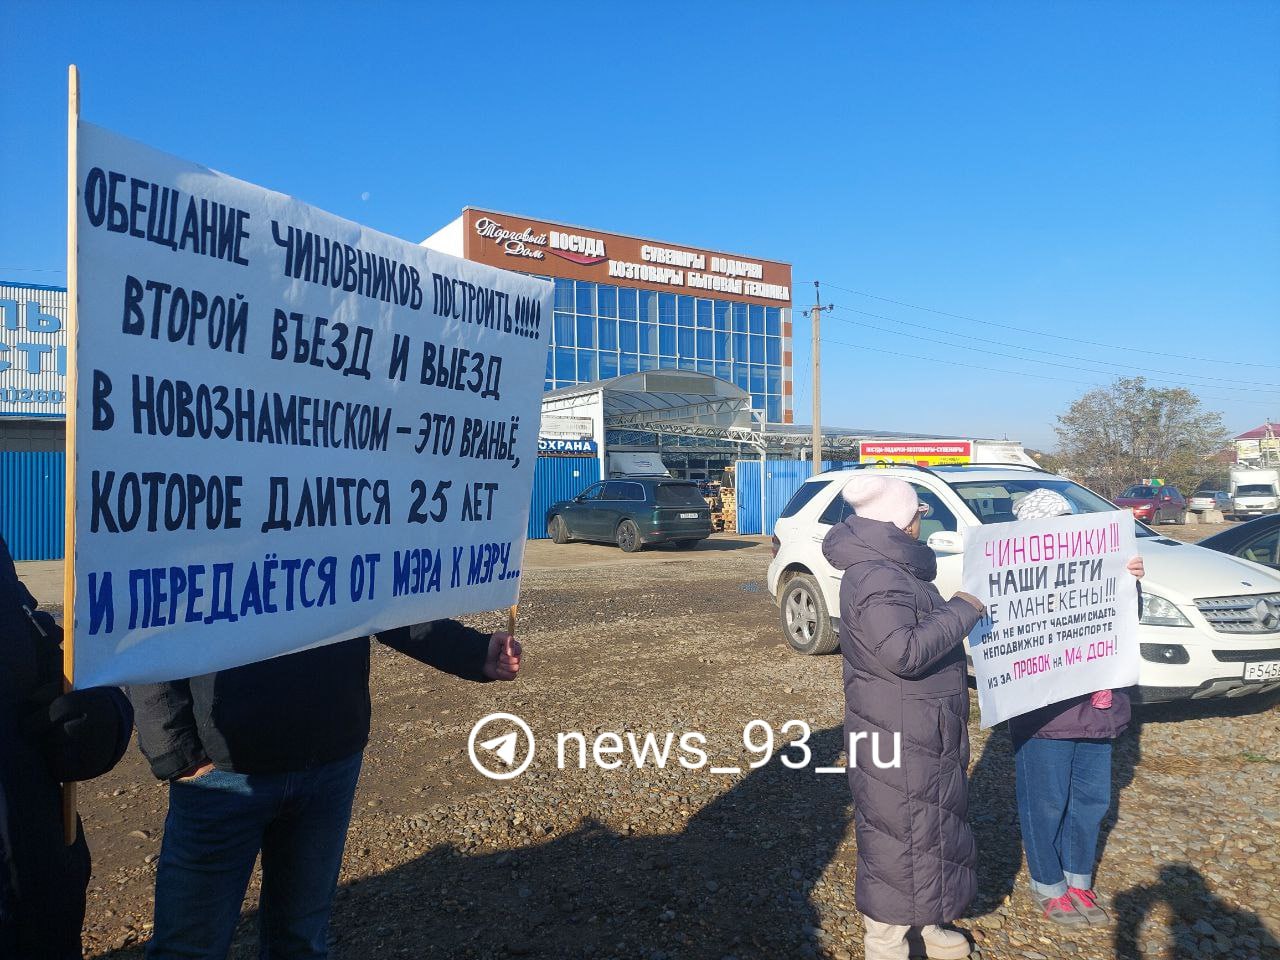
[
  {"x": 496, "y": 239},
  {"x": 33, "y": 351},
  {"x": 551, "y": 446},
  {"x": 567, "y": 428},
  {"x": 924, "y": 453}
]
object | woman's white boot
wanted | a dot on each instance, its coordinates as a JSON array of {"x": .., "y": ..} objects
[
  {"x": 937, "y": 943},
  {"x": 884, "y": 941}
]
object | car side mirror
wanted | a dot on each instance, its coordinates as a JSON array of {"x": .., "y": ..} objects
[{"x": 945, "y": 541}]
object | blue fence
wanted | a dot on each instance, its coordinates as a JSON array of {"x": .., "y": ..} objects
[
  {"x": 31, "y": 503},
  {"x": 782, "y": 479},
  {"x": 558, "y": 478}
]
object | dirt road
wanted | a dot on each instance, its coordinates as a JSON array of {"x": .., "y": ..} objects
[{"x": 675, "y": 863}]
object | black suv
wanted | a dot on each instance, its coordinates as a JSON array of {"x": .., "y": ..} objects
[{"x": 633, "y": 512}]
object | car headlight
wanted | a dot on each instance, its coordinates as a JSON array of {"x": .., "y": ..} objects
[{"x": 1159, "y": 612}]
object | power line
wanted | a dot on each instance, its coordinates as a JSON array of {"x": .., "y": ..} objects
[
  {"x": 1016, "y": 373},
  {"x": 1249, "y": 388},
  {"x": 32, "y": 269},
  {"x": 1054, "y": 336}
]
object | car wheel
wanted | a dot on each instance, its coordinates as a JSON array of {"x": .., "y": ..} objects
[
  {"x": 629, "y": 536},
  {"x": 805, "y": 621},
  {"x": 687, "y": 544},
  {"x": 558, "y": 531}
]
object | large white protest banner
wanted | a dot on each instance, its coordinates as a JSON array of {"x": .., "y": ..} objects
[
  {"x": 291, "y": 429},
  {"x": 1062, "y": 610}
]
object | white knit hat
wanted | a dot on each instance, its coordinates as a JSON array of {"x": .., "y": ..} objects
[
  {"x": 877, "y": 497},
  {"x": 1042, "y": 504}
]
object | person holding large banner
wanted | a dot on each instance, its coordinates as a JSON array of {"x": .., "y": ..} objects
[
  {"x": 1062, "y": 758},
  {"x": 265, "y": 758},
  {"x": 905, "y": 681}
]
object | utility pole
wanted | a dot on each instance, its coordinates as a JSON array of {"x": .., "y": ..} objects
[{"x": 815, "y": 314}]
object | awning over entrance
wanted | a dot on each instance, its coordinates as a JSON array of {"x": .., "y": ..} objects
[{"x": 672, "y": 402}]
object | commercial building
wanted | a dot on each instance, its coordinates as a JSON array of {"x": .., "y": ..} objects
[
  {"x": 626, "y": 306},
  {"x": 33, "y": 391}
]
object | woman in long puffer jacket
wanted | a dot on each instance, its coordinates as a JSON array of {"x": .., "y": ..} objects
[{"x": 904, "y": 674}]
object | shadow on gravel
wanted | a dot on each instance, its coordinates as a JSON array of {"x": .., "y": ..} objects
[
  {"x": 1201, "y": 924},
  {"x": 734, "y": 882},
  {"x": 993, "y": 804}
]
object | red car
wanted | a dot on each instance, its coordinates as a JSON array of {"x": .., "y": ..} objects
[{"x": 1154, "y": 504}]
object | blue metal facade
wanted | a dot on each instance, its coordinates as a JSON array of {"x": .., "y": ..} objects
[
  {"x": 554, "y": 479},
  {"x": 783, "y": 478},
  {"x": 31, "y": 503}
]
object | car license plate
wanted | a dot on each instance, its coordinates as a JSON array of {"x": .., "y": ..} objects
[
  {"x": 688, "y": 516},
  {"x": 1270, "y": 670}
]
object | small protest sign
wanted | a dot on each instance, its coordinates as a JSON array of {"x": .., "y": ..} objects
[
  {"x": 290, "y": 429},
  {"x": 1062, "y": 615}
]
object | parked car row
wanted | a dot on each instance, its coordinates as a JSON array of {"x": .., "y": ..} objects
[{"x": 1210, "y": 618}]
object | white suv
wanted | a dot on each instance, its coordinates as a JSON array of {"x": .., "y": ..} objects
[{"x": 1210, "y": 622}]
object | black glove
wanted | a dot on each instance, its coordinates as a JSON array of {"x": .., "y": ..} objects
[{"x": 82, "y": 734}]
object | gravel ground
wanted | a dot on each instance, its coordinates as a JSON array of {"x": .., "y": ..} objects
[{"x": 673, "y": 863}]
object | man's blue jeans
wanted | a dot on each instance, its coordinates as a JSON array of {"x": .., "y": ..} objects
[
  {"x": 216, "y": 826},
  {"x": 1064, "y": 789}
]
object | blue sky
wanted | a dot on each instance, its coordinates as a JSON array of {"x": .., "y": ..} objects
[{"x": 1106, "y": 173}]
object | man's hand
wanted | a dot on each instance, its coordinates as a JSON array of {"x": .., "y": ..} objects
[
  {"x": 970, "y": 599},
  {"x": 503, "y": 659},
  {"x": 1135, "y": 567},
  {"x": 195, "y": 771}
]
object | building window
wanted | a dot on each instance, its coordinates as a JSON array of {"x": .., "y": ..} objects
[
  {"x": 607, "y": 300},
  {"x": 586, "y": 366},
  {"x": 739, "y": 318},
  {"x": 705, "y": 349},
  {"x": 562, "y": 331},
  {"x": 667, "y": 308},
  {"x": 586, "y": 297},
  {"x": 773, "y": 350},
  {"x": 626, "y": 303},
  {"x": 704, "y": 313},
  {"x": 628, "y": 336},
  {"x": 648, "y": 305},
  {"x": 566, "y": 365},
  {"x": 685, "y": 310},
  {"x": 773, "y": 379},
  {"x": 629, "y": 363},
  {"x": 667, "y": 341},
  {"x": 648, "y": 338},
  {"x": 564, "y": 294},
  {"x": 608, "y": 334},
  {"x": 608, "y": 365},
  {"x": 757, "y": 348},
  {"x": 648, "y": 362},
  {"x": 756, "y": 322},
  {"x": 721, "y": 314},
  {"x": 757, "y": 379},
  {"x": 773, "y": 410},
  {"x": 724, "y": 371},
  {"x": 721, "y": 345},
  {"x": 773, "y": 321},
  {"x": 586, "y": 331}
]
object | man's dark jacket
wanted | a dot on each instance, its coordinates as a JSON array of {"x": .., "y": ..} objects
[
  {"x": 288, "y": 714},
  {"x": 45, "y": 737}
]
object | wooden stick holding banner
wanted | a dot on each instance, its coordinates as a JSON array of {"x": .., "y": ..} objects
[
  {"x": 69, "y": 523},
  {"x": 511, "y": 619}
]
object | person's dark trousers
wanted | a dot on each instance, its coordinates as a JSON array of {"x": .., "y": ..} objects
[
  {"x": 216, "y": 826},
  {"x": 1064, "y": 788}
]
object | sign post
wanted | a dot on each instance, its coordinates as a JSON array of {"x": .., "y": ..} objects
[
  {"x": 69, "y": 528},
  {"x": 1062, "y": 610}
]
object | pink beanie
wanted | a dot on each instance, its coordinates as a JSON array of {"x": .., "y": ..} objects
[{"x": 878, "y": 497}]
